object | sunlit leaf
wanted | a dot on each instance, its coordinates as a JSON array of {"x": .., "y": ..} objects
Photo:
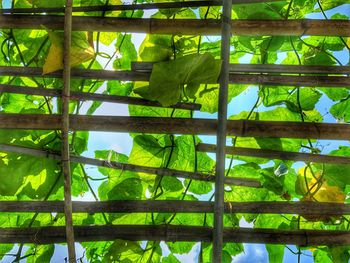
[{"x": 81, "y": 51}]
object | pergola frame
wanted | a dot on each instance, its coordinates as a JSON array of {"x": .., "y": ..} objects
[{"x": 241, "y": 74}]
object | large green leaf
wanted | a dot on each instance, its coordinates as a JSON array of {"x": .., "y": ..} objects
[
  {"x": 329, "y": 4},
  {"x": 155, "y": 48},
  {"x": 276, "y": 253},
  {"x": 168, "y": 79},
  {"x": 341, "y": 110},
  {"x": 127, "y": 52},
  {"x": 41, "y": 253}
]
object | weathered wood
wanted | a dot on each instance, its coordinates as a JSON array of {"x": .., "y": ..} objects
[
  {"x": 265, "y": 68},
  {"x": 82, "y": 96},
  {"x": 172, "y": 233},
  {"x": 205, "y": 177},
  {"x": 309, "y": 81},
  {"x": 318, "y": 81},
  {"x": 65, "y": 152},
  {"x": 177, "y": 206},
  {"x": 281, "y": 155},
  {"x": 182, "y": 26},
  {"x": 241, "y": 128},
  {"x": 219, "y": 194},
  {"x": 75, "y": 73},
  {"x": 144, "y": 6}
]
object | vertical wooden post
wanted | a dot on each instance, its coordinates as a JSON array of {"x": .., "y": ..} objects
[
  {"x": 221, "y": 132},
  {"x": 65, "y": 132}
]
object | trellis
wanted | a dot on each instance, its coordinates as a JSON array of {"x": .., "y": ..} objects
[{"x": 334, "y": 76}]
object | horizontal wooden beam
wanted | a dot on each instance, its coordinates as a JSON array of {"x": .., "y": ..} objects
[
  {"x": 124, "y": 7},
  {"x": 173, "y": 233},
  {"x": 177, "y": 206},
  {"x": 241, "y": 128},
  {"x": 82, "y": 96},
  {"x": 281, "y": 155},
  {"x": 181, "y": 26},
  {"x": 76, "y": 74},
  {"x": 265, "y": 68},
  {"x": 300, "y": 81},
  {"x": 131, "y": 167},
  {"x": 273, "y": 80}
]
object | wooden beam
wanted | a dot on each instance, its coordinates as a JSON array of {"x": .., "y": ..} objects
[
  {"x": 272, "y": 80},
  {"x": 273, "y": 154},
  {"x": 124, "y": 7},
  {"x": 200, "y": 176},
  {"x": 241, "y": 128},
  {"x": 265, "y": 68},
  {"x": 219, "y": 194},
  {"x": 177, "y": 206},
  {"x": 173, "y": 233},
  {"x": 300, "y": 81},
  {"x": 76, "y": 74},
  {"x": 182, "y": 26},
  {"x": 82, "y": 96},
  {"x": 65, "y": 146}
]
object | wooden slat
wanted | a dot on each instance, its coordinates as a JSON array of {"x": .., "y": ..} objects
[
  {"x": 82, "y": 96},
  {"x": 76, "y": 73},
  {"x": 172, "y": 233},
  {"x": 219, "y": 194},
  {"x": 200, "y": 176},
  {"x": 182, "y": 26},
  {"x": 176, "y": 206},
  {"x": 123, "y": 7},
  {"x": 281, "y": 155},
  {"x": 242, "y": 128},
  {"x": 65, "y": 144},
  {"x": 308, "y": 81},
  {"x": 273, "y": 80},
  {"x": 265, "y": 68}
]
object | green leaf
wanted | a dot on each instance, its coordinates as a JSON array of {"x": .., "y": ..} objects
[
  {"x": 155, "y": 48},
  {"x": 180, "y": 247},
  {"x": 110, "y": 156},
  {"x": 116, "y": 87},
  {"x": 336, "y": 94},
  {"x": 127, "y": 52},
  {"x": 123, "y": 251},
  {"x": 5, "y": 248},
  {"x": 128, "y": 186},
  {"x": 341, "y": 111},
  {"x": 81, "y": 51},
  {"x": 321, "y": 256},
  {"x": 283, "y": 95},
  {"x": 233, "y": 249},
  {"x": 170, "y": 259},
  {"x": 272, "y": 182},
  {"x": 42, "y": 253},
  {"x": 149, "y": 151},
  {"x": 208, "y": 96},
  {"x": 340, "y": 254},
  {"x": 329, "y": 4},
  {"x": 276, "y": 253},
  {"x": 168, "y": 79},
  {"x": 248, "y": 170},
  {"x": 51, "y": 3}
]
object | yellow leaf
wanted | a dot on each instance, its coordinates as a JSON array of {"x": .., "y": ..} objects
[
  {"x": 314, "y": 188},
  {"x": 317, "y": 189},
  {"x": 81, "y": 51}
]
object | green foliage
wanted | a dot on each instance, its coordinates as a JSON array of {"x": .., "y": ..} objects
[
  {"x": 170, "y": 81},
  {"x": 186, "y": 69},
  {"x": 276, "y": 253},
  {"x": 155, "y": 48}
]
